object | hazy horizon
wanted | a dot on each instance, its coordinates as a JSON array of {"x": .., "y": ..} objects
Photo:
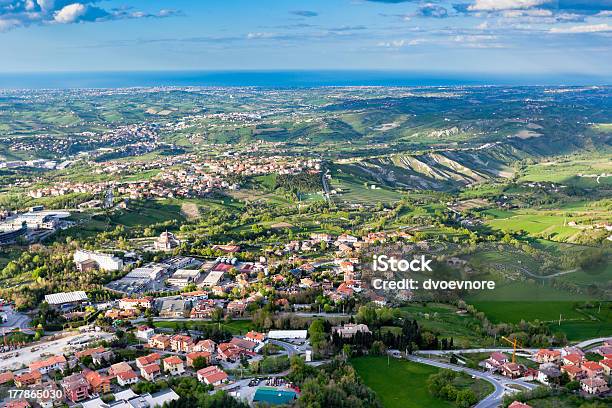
[{"x": 285, "y": 79}]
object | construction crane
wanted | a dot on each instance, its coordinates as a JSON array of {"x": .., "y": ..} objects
[{"x": 514, "y": 344}]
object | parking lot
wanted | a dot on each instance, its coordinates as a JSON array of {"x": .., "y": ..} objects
[{"x": 21, "y": 358}]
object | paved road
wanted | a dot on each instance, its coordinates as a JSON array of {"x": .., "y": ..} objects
[
  {"x": 326, "y": 186},
  {"x": 15, "y": 320},
  {"x": 476, "y": 350},
  {"x": 314, "y": 314},
  {"x": 587, "y": 343},
  {"x": 291, "y": 349},
  {"x": 500, "y": 383}
]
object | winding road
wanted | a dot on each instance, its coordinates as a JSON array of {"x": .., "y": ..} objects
[{"x": 500, "y": 383}]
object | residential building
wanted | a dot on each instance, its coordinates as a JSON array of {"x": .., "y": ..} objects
[
  {"x": 28, "y": 379},
  {"x": 212, "y": 375},
  {"x": 144, "y": 333},
  {"x": 548, "y": 373},
  {"x": 349, "y": 330},
  {"x": 137, "y": 303},
  {"x": 592, "y": 369},
  {"x": 159, "y": 341},
  {"x": 243, "y": 343},
  {"x": 117, "y": 368},
  {"x": 76, "y": 387},
  {"x": 255, "y": 337},
  {"x": 207, "y": 356},
  {"x": 153, "y": 358},
  {"x": 205, "y": 345},
  {"x": 126, "y": 378},
  {"x": 181, "y": 343},
  {"x": 606, "y": 365},
  {"x": 6, "y": 377},
  {"x": 229, "y": 352},
  {"x": 53, "y": 363},
  {"x": 150, "y": 372},
  {"x": 203, "y": 309},
  {"x": 511, "y": 370},
  {"x": 496, "y": 360},
  {"x": 547, "y": 356},
  {"x": 174, "y": 365},
  {"x": 574, "y": 372},
  {"x": 572, "y": 359},
  {"x": 236, "y": 307},
  {"x": 594, "y": 386},
  {"x": 99, "y": 384}
]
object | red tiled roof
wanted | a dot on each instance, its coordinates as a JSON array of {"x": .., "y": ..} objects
[
  {"x": 591, "y": 365},
  {"x": 6, "y": 377},
  {"x": 151, "y": 368},
  {"x": 517, "y": 404},
  {"x": 173, "y": 360},
  {"x": 127, "y": 375},
  {"x": 571, "y": 369},
  {"x": 574, "y": 358},
  {"x": 48, "y": 362}
]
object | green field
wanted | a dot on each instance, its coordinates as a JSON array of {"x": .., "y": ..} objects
[
  {"x": 514, "y": 311},
  {"x": 353, "y": 189},
  {"x": 443, "y": 320},
  {"x": 149, "y": 212},
  {"x": 573, "y": 172},
  {"x": 403, "y": 384}
]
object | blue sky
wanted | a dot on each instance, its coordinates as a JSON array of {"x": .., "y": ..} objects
[{"x": 464, "y": 36}]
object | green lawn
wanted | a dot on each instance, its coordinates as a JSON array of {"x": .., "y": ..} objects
[
  {"x": 443, "y": 320},
  {"x": 515, "y": 311},
  {"x": 401, "y": 384},
  {"x": 584, "y": 329},
  {"x": 149, "y": 212}
]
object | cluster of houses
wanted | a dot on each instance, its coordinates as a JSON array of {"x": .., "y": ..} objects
[
  {"x": 232, "y": 351},
  {"x": 181, "y": 176},
  {"x": 174, "y": 355},
  {"x": 593, "y": 376}
]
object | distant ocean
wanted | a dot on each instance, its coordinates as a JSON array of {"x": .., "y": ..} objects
[{"x": 277, "y": 79}]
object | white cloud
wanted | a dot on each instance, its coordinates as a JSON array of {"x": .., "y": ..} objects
[
  {"x": 7, "y": 24},
  {"x": 402, "y": 43},
  {"x": 24, "y": 13},
  {"x": 581, "y": 29},
  {"x": 498, "y": 5},
  {"x": 255, "y": 36},
  {"x": 526, "y": 13},
  {"x": 70, "y": 13},
  {"x": 46, "y": 4}
]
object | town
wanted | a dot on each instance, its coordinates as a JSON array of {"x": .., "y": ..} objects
[{"x": 223, "y": 247}]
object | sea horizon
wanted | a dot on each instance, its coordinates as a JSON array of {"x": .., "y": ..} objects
[{"x": 283, "y": 79}]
